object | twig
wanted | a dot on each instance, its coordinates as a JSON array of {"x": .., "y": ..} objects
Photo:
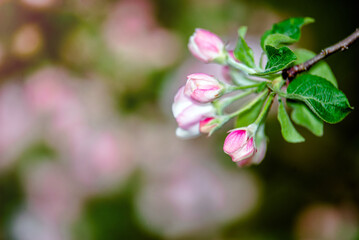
[{"x": 290, "y": 73}]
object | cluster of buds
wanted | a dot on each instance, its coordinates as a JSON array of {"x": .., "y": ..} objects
[{"x": 199, "y": 105}]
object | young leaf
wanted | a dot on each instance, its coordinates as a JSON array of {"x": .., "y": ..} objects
[
  {"x": 278, "y": 59},
  {"x": 278, "y": 40},
  {"x": 320, "y": 69},
  {"x": 242, "y": 52},
  {"x": 290, "y": 27},
  {"x": 242, "y": 31},
  {"x": 261, "y": 87},
  {"x": 249, "y": 116},
  {"x": 322, "y": 97},
  {"x": 241, "y": 79},
  {"x": 289, "y": 132},
  {"x": 304, "y": 117}
]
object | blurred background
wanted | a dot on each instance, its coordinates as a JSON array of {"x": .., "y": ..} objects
[{"x": 87, "y": 137}]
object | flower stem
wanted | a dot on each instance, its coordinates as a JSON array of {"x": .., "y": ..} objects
[
  {"x": 221, "y": 105},
  {"x": 265, "y": 109},
  {"x": 240, "y": 78},
  {"x": 240, "y": 66},
  {"x": 249, "y": 105},
  {"x": 235, "y": 88}
]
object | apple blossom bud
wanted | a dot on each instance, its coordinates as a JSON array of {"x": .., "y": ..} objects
[
  {"x": 257, "y": 157},
  {"x": 203, "y": 87},
  {"x": 239, "y": 144},
  {"x": 206, "y": 46},
  {"x": 205, "y": 126},
  {"x": 189, "y": 113}
]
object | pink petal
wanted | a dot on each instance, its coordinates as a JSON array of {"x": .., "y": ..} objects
[
  {"x": 245, "y": 152},
  {"x": 205, "y": 95},
  {"x": 202, "y": 87},
  {"x": 235, "y": 141},
  {"x": 194, "y": 114},
  {"x": 260, "y": 154},
  {"x": 193, "y": 48},
  {"x": 204, "y": 127},
  {"x": 191, "y": 132},
  {"x": 209, "y": 38},
  {"x": 181, "y": 102},
  {"x": 205, "y": 45}
]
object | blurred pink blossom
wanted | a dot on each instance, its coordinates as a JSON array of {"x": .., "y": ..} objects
[
  {"x": 51, "y": 193},
  {"x": 15, "y": 123},
  {"x": 40, "y": 4},
  {"x": 101, "y": 161},
  {"x": 184, "y": 191},
  {"x": 77, "y": 123},
  {"x": 194, "y": 197},
  {"x": 48, "y": 90},
  {"x": 133, "y": 33},
  {"x": 28, "y": 226}
]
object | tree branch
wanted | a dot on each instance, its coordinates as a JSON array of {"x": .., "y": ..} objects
[{"x": 291, "y": 73}]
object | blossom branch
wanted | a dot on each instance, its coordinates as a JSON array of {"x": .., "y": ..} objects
[{"x": 291, "y": 73}]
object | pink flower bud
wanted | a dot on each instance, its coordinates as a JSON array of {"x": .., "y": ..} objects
[
  {"x": 189, "y": 113},
  {"x": 239, "y": 144},
  {"x": 206, "y": 46},
  {"x": 257, "y": 157},
  {"x": 202, "y": 87},
  {"x": 205, "y": 126}
]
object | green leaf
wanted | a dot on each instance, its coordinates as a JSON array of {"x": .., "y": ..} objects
[
  {"x": 290, "y": 28},
  {"x": 320, "y": 69},
  {"x": 278, "y": 40},
  {"x": 261, "y": 87},
  {"x": 278, "y": 59},
  {"x": 249, "y": 116},
  {"x": 242, "y": 52},
  {"x": 323, "y": 98},
  {"x": 289, "y": 132},
  {"x": 242, "y": 31},
  {"x": 304, "y": 117}
]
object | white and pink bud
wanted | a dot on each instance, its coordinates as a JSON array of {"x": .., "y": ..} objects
[
  {"x": 206, "y": 46},
  {"x": 207, "y": 125},
  {"x": 257, "y": 157},
  {"x": 239, "y": 144},
  {"x": 203, "y": 88},
  {"x": 189, "y": 114}
]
